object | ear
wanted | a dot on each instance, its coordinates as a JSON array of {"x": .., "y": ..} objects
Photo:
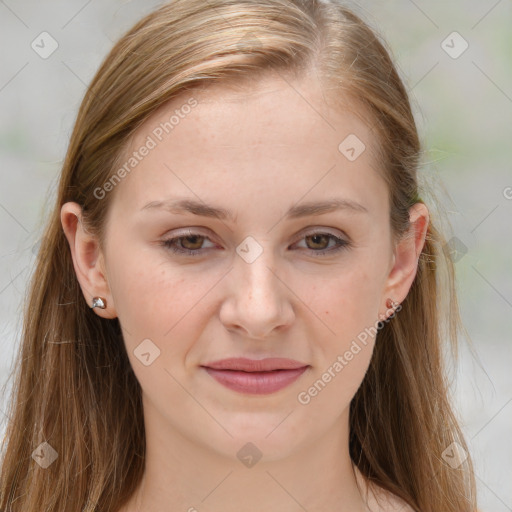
[
  {"x": 405, "y": 257},
  {"x": 88, "y": 259}
]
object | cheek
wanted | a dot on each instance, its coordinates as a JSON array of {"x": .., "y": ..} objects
[
  {"x": 339, "y": 371},
  {"x": 347, "y": 303},
  {"x": 155, "y": 300},
  {"x": 349, "y": 308}
]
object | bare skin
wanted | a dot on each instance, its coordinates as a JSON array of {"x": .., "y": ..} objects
[{"x": 256, "y": 152}]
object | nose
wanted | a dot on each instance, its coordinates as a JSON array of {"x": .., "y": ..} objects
[{"x": 258, "y": 301}]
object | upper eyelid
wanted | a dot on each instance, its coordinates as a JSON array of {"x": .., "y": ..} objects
[{"x": 301, "y": 235}]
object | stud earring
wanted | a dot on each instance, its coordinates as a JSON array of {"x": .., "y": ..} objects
[
  {"x": 99, "y": 302},
  {"x": 391, "y": 304}
]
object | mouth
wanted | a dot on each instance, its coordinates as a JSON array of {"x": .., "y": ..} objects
[{"x": 252, "y": 376}]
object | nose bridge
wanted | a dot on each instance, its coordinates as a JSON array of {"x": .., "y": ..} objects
[
  {"x": 258, "y": 301},
  {"x": 254, "y": 267}
]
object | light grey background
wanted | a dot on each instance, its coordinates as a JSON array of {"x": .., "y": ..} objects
[{"x": 463, "y": 107}]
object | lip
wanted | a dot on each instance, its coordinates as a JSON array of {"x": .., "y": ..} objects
[
  {"x": 256, "y": 376},
  {"x": 255, "y": 365}
]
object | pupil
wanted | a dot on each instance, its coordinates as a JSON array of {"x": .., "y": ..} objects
[
  {"x": 193, "y": 238},
  {"x": 316, "y": 238}
]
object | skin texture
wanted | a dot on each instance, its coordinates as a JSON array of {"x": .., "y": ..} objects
[{"x": 257, "y": 152}]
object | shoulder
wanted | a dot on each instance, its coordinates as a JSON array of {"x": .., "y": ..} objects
[
  {"x": 381, "y": 500},
  {"x": 388, "y": 502}
]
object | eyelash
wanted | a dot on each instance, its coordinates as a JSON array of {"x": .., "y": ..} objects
[{"x": 169, "y": 244}]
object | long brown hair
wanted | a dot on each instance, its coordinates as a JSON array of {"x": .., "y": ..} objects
[{"x": 74, "y": 387}]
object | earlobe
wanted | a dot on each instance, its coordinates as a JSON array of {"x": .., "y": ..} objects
[
  {"x": 407, "y": 253},
  {"x": 87, "y": 259}
]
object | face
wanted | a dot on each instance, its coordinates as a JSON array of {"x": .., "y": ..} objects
[{"x": 249, "y": 267}]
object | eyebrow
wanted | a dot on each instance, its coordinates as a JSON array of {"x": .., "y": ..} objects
[{"x": 295, "y": 212}]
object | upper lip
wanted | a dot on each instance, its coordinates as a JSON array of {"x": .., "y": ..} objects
[{"x": 255, "y": 365}]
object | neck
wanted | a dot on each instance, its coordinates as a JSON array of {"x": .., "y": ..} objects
[{"x": 181, "y": 475}]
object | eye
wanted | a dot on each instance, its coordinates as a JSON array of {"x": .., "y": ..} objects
[
  {"x": 191, "y": 243},
  {"x": 320, "y": 242},
  {"x": 186, "y": 244}
]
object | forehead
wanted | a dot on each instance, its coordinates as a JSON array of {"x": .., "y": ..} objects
[{"x": 268, "y": 139}]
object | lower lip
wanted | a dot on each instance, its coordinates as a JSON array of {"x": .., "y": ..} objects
[{"x": 256, "y": 383}]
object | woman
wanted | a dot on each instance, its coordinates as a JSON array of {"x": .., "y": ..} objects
[{"x": 235, "y": 304}]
